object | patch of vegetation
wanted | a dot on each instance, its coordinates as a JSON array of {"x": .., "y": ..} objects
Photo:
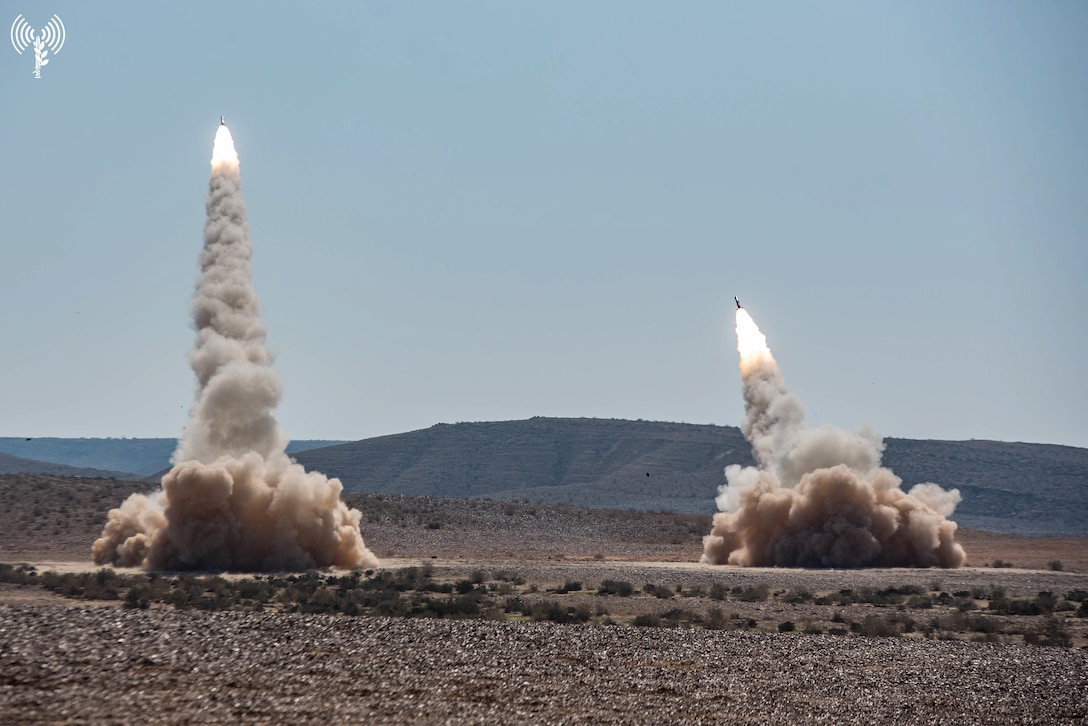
[
  {"x": 659, "y": 591},
  {"x": 798, "y": 595},
  {"x": 877, "y": 626},
  {"x": 1077, "y": 595},
  {"x": 680, "y": 617},
  {"x": 647, "y": 620},
  {"x": 552, "y": 611},
  {"x": 1043, "y": 603},
  {"x": 715, "y": 619},
  {"x": 1052, "y": 632},
  {"x": 758, "y": 593},
  {"x": 982, "y": 614},
  {"x": 616, "y": 587},
  {"x": 920, "y": 602}
]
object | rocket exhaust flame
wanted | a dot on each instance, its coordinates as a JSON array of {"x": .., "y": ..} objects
[
  {"x": 223, "y": 153},
  {"x": 233, "y": 500},
  {"x": 819, "y": 497}
]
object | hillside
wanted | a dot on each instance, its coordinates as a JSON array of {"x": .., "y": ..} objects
[
  {"x": 47, "y": 518},
  {"x": 1007, "y": 487},
  {"x": 17, "y": 465},
  {"x": 139, "y": 456},
  {"x": 1017, "y": 488},
  {"x": 584, "y": 462}
]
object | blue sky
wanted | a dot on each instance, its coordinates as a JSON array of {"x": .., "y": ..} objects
[{"x": 491, "y": 210}]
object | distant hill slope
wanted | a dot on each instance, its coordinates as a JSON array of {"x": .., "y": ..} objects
[
  {"x": 1007, "y": 487},
  {"x": 1037, "y": 489},
  {"x": 17, "y": 465},
  {"x": 585, "y": 462},
  {"x": 139, "y": 456}
]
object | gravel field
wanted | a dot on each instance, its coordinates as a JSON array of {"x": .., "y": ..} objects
[
  {"x": 43, "y": 517},
  {"x": 591, "y": 572},
  {"x": 95, "y": 665},
  {"x": 75, "y": 661}
]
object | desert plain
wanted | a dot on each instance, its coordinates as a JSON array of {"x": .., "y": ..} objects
[{"x": 496, "y": 612}]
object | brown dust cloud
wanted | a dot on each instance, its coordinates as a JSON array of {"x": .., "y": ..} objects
[
  {"x": 233, "y": 500},
  {"x": 819, "y": 497}
]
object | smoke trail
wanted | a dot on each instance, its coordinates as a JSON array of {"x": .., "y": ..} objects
[
  {"x": 819, "y": 497},
  {"x": 233, "y": 499}
]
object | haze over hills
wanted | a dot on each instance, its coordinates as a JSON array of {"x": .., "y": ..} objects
[
  {"x": 1017, "y": 488},
  {"x": 17, "y": 465},
  {"x": 585, "y": 462},
  {"x": 1035, "y": 489},
  {"x": 135, "y": 456}
]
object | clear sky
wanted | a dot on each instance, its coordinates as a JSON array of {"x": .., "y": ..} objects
[{"x": 468, "y": 211}]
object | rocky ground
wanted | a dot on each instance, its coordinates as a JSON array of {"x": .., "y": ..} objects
[
  {"x": 59, "y": 518},
  {"x": 128, "y": 666},
  {"x": 715, "y": 654}
]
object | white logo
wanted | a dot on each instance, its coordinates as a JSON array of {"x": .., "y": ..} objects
[{"x": 50, "y": 38}]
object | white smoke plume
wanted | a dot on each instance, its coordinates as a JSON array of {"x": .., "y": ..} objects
[
  {"x": 233, "y": 499},
  {"x": 819, "y": 497}
]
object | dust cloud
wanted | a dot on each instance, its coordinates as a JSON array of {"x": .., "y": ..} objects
[
  {"x": 819, "y": 497},
  {"x": 233, "y": 500}
]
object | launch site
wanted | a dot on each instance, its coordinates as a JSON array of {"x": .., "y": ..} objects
[{"x": 492, "y": 260}]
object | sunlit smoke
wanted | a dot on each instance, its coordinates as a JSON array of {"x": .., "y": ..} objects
[
  {"x": 819, "y": 497},
  {"x": 233, "y": 499},
  {"x": 773, "y": 417}
]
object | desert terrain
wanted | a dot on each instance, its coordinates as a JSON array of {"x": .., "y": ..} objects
[{"x": 499, "y": 612}]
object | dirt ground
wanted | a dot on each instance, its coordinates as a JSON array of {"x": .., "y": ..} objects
[
  {"x": 711, "y": 652},
  {"x": 44, "y": 517}
]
